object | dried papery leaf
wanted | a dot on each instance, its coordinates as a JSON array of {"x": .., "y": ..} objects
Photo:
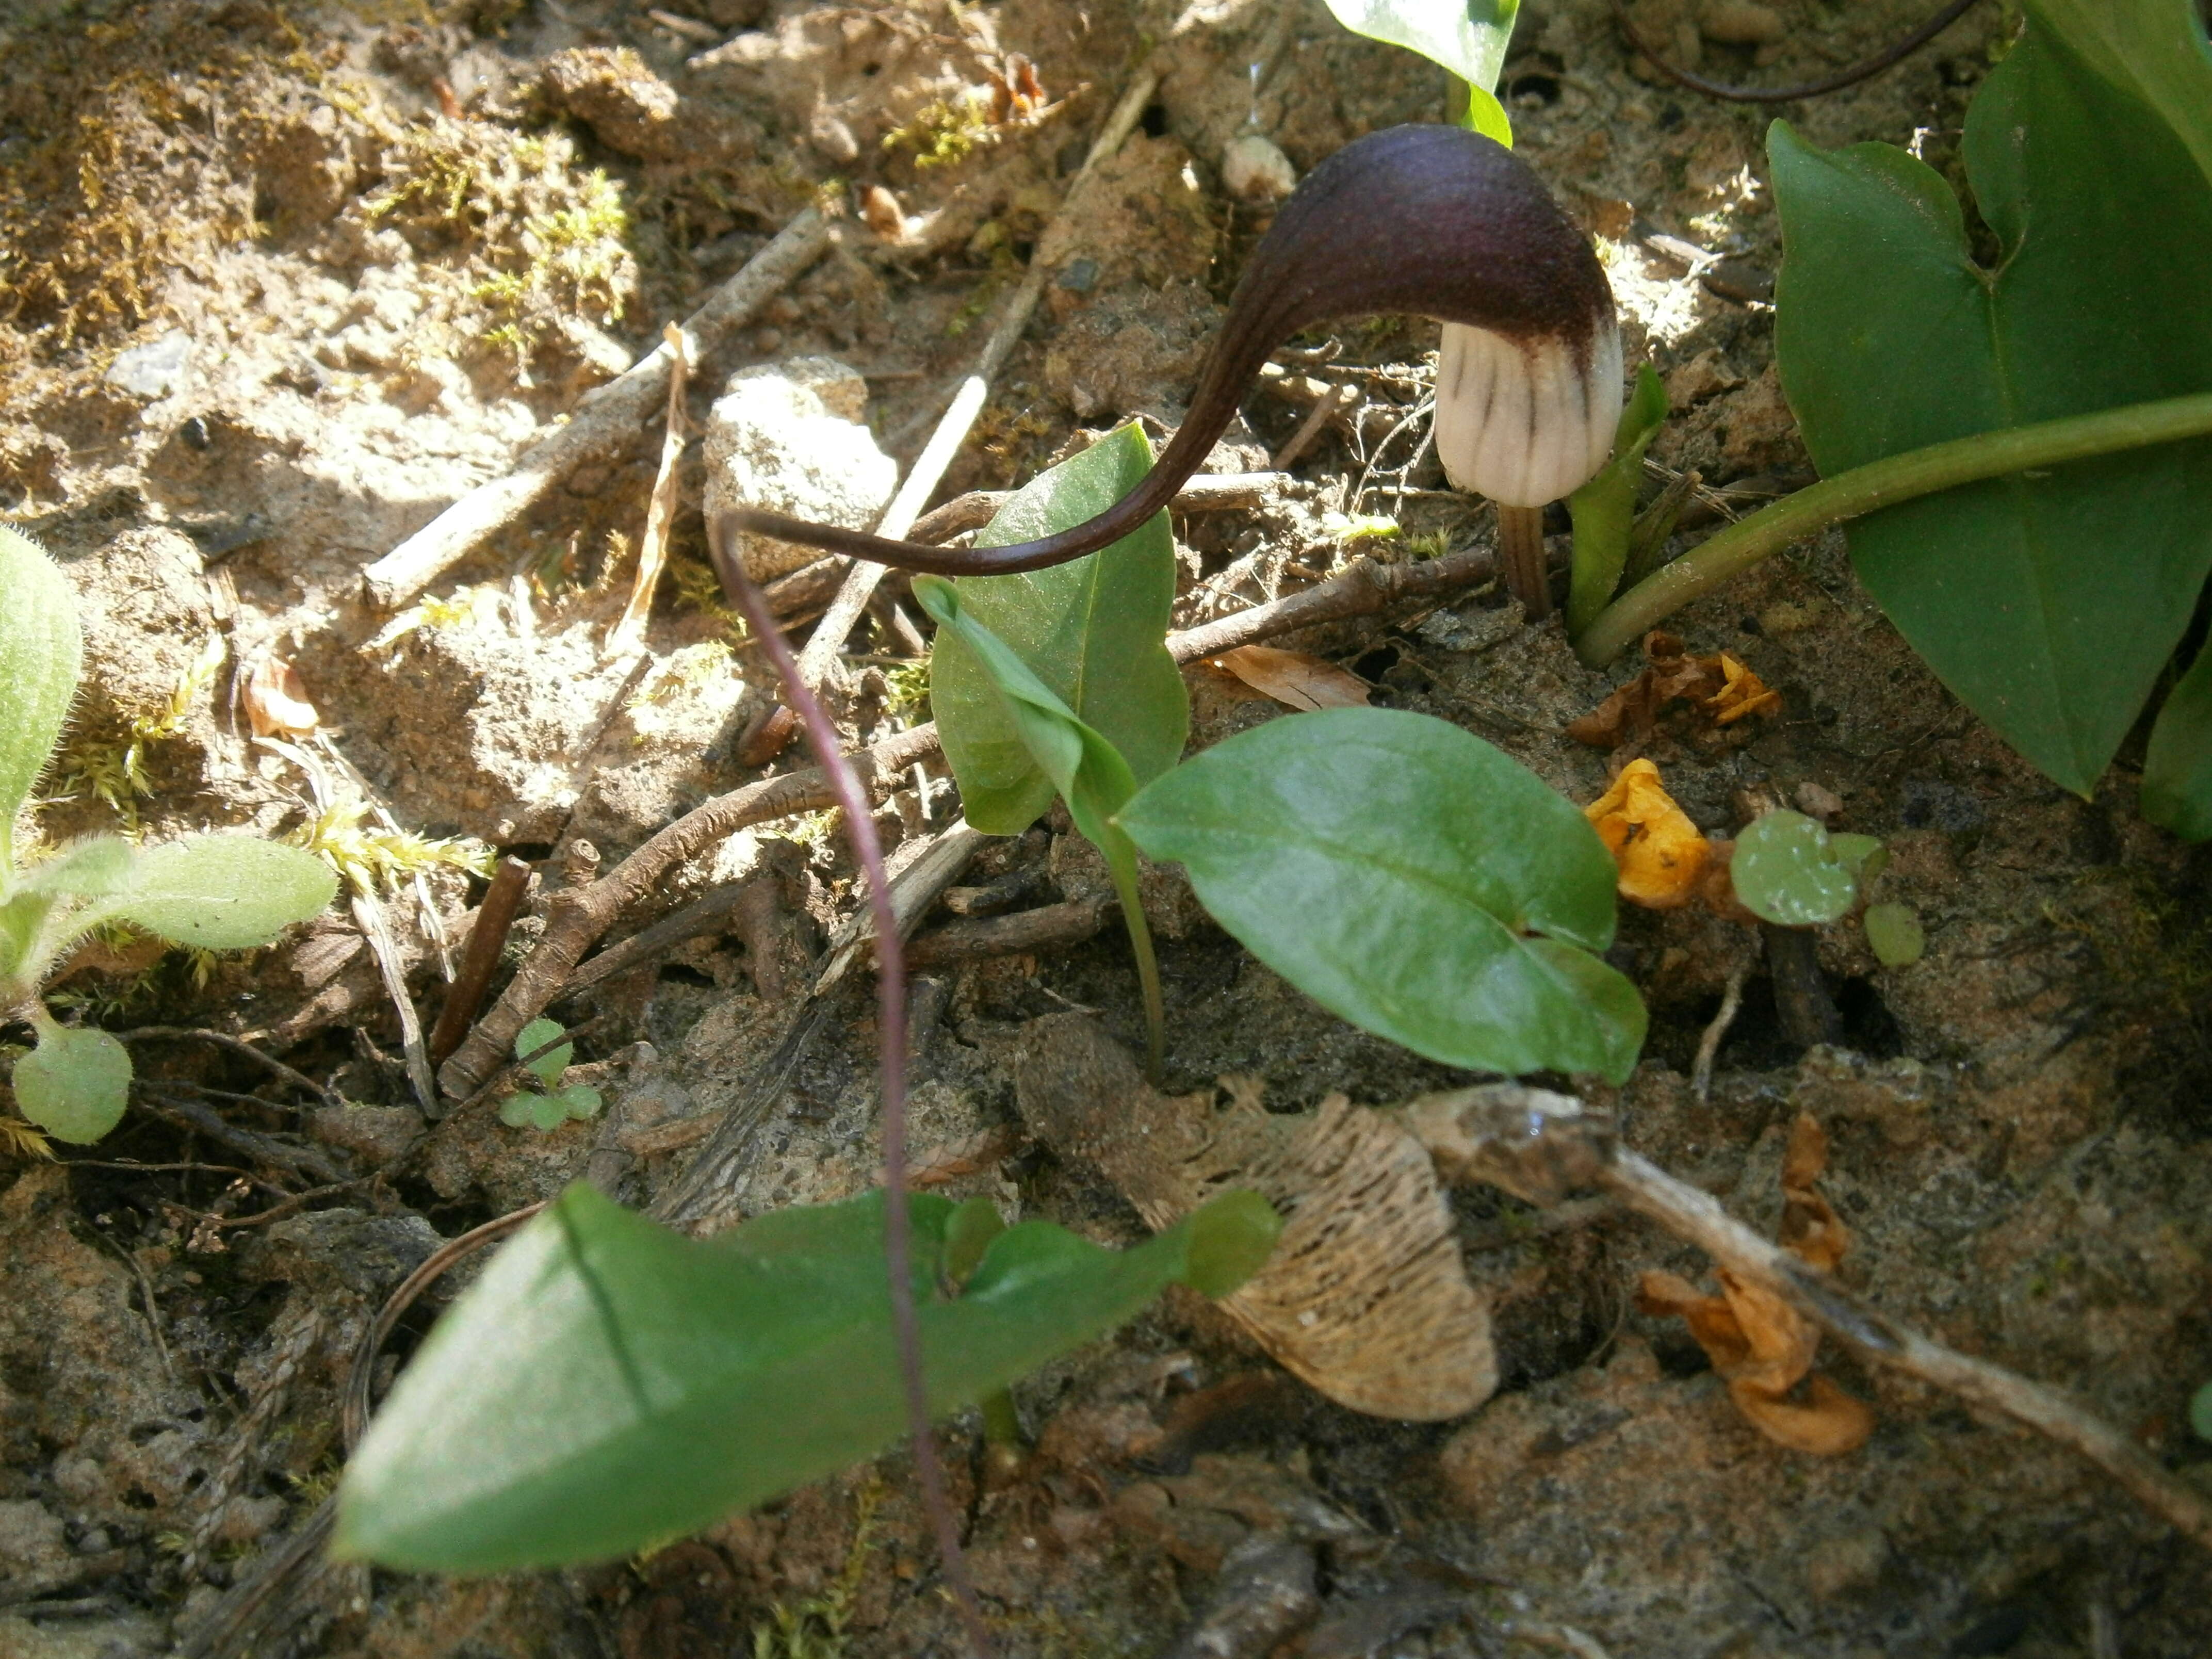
[
  {"x": 1297, "y": 679},
  {"x": 276, "y": 699},
  {"x": 1760, "y": 1344},
  {"x": 1660, "y": 851},
  {"x": 1744, "y": 693},
  {"x": 1810, "y": 1226},
  {"x": 1719, "y": 689},
  {"x": 1365, "y": 1297},
  {"x": 1633, "y": 711}
]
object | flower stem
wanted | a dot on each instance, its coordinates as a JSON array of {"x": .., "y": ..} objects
[{"x": 1882, "y": 483}]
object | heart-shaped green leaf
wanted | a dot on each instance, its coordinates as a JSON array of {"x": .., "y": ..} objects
[
  {"x": 1411, "y": 878},
  {"x": 41, "y": 655},
  {"x": 75, "y": 1083},
  {"x": 1787, "y": 870},
  {"x": 2049, "y": 602},
  {"x": 1093, "y": 631},
  {"x": 2155, "y": 49},
  {"x": 222, "y": 892},
  {"x": 608, "y": 1384}
]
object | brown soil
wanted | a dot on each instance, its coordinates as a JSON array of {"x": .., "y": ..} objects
[{"x": 382, "y": 246}]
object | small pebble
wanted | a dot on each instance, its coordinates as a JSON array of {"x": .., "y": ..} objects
[
  {"x": 768, "y": 341},
  {"x": 1252, "y": 169},
  {"x": 1741, "y": 23}
]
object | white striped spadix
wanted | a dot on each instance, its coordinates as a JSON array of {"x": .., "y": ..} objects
[{"x": 1526, "y": 421}]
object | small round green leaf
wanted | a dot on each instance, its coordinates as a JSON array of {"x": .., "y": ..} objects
[
  {"x": 224, "y": 892},
  {"x": 548, "y": 1065},
  {"x": 1895, "y": 934},
  {"x": 1786, "y": 871},
  {"x": 2200, "y": 1413},
  {"x": 75, "y": 1083},
  {"x": 515, "y": 1110},
  {"x": 548, "y": 1112},
  {"x": 580, "y": 1100}
]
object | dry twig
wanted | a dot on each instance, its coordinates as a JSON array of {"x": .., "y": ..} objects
[
  {"x": 629, "y": 633},
  {"x": 487, "y": 938}
]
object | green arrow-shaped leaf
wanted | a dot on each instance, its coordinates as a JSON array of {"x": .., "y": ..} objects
[{"x": 608, "y": 1384}]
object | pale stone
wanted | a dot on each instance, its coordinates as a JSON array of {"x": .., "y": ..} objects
[{"x": 792, "y": 438}]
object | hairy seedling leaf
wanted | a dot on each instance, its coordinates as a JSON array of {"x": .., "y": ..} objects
[
  {"x": 548, "y": 1065},
  {"x": 41, "y": 653},
  {"x": 222, "y": 892}
]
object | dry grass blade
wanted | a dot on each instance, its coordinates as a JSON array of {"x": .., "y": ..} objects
[{"x": 629, "y": 632}]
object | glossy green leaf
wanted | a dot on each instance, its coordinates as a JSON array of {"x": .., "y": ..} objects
[
  {"x": 2177, "y": 782},
  {"x": 222, "y": 892},
  {"x": 548, "y": 1065},
  {"x": 1411, "y": 878},
  {"x": 2048, "y": 602},
  {"x": 1093, "y": 631},
  {"x": 1467, "y": 37},
  {"x": 1895, "y": 934},
  {"x": 40, "y": 655},
  {"x": 1604, "y": 508},
  {"x": 75, "y": 1083},
  {"x": 2155, "y": 49},
  {"x": 608, "y": 1384},
  {"x": 1076, "y": 760},
  {"x": 91, "y": 868},
  {"x": 1787, "y": 870}
]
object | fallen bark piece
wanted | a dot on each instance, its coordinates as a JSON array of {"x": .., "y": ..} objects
[{"x": 1365, "y": 1297}]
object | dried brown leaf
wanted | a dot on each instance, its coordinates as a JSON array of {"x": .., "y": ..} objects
[
  {"x": 1297, "y": 679},
  {"x": 1721, "y": 689},
  {"x": 1760, "y": 1346}
]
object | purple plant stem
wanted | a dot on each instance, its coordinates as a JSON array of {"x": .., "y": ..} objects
[{"x": 891, "y": 1025}]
